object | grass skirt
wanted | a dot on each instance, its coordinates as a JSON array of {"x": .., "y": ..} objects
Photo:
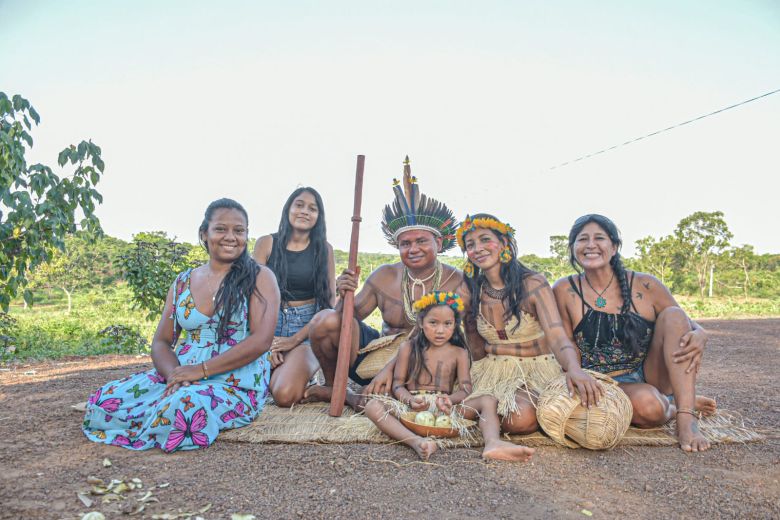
[{"x": 502, "y": 376}]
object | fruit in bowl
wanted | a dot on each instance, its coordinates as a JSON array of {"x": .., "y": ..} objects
[
  {"x": 443, "y": 421},
  {"x": 425, "y": 418}
]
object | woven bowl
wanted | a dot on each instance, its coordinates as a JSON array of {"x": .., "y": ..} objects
[
  {"x": 569, "y": 423},
  {"x": 407, "y": 419}
]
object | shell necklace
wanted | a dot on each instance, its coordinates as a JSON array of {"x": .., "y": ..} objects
[{"x": 408, "y": 285}]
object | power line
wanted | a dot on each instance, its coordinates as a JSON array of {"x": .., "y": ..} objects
[{"x": 663, "y": 130}]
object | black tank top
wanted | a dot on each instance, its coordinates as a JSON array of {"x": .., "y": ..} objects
[
  {"x": 598, "y": 337},
  {"x": 300, "y": 272}
]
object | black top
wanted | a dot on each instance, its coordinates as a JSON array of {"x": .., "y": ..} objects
[
  {"x": 300, "y": 272},
  {"x": 598, "y": 336}
]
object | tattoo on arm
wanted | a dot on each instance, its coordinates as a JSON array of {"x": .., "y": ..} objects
[
  {"x": 646, "y": 285},
  {"x": 639, "y": 295}
]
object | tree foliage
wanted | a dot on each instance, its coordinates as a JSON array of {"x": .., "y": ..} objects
[
  {"x": 151, "y": 264},
  {"x": 84, "y": 263},
  {"x": 39, "y": 208}
]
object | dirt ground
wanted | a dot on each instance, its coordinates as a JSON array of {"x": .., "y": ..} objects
[{"x": 45, "y": 460}]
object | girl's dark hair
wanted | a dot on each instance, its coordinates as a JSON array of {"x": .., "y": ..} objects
[
  {"x": 633, "y": 328},
  {"x": 239, "y": 284},
  {"x": 317, "y": 238},
  {"x": 420, "y": 344},
  {"x": 513, "y": 273}
]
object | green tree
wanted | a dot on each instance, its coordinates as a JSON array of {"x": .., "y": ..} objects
[
  {"x": 85, "y": 262},
  {"x": 150, "y": 266},
  {"x": 658, "y": 257},
  {"x": 701, "y": 237},
  {"x": 38, "y": 208}
]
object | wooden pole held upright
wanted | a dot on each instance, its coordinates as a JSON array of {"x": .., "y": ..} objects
[{"x": 348, "y": 306}]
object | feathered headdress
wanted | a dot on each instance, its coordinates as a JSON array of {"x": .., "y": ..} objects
[{"x": 413, "y": 210}]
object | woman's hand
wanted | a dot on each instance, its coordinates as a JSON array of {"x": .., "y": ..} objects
[
  {"x": 418, "y": 403},
  {"x": 691, "y": 349},
  {"x": 444, "y": 403},
  {"x": 588, "y": 388},
  {"x": 276, "y": 358},
  {"x": 280, "y": 344},
  {"x": 182, "y": 376}
]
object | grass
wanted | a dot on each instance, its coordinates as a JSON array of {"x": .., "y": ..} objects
[{"x": 47, "y": 331}]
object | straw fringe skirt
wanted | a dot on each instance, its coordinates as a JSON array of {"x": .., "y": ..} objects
[{"x": 502, "y": 376}]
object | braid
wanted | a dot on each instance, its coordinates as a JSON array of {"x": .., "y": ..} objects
[
  {"x": 234, "y": 293},
  {"x": 632, "y": 326}
]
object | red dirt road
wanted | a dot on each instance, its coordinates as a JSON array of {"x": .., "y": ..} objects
[{"x": 45, "y": 460}]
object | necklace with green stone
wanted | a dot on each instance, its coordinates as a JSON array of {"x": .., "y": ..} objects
[{"x": 601, "y": 302}]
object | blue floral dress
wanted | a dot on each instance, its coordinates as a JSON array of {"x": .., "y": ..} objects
[{"x": 133, "y": 413}]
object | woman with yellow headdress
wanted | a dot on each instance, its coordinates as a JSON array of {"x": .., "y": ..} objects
[{"x": 513, "y": 326}]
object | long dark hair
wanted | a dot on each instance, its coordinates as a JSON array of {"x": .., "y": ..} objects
[
  {"x": 317, "y": 240},
  {"x": 239, "y": 284},
  {"x": 513, "y": 274},
  {"x": 420, "y": 344},
  {"x": 633, "y": 329}
]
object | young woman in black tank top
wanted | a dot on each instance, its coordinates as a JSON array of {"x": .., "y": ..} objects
[
  {"x": 302, "y": 261},
  {"x": 630, "y": 326}
]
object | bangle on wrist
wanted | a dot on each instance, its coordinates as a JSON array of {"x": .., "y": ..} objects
[{"x": 205, "y": 372}]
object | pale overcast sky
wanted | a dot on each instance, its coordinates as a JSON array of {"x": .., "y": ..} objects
[{"x": 193, "y": 100}]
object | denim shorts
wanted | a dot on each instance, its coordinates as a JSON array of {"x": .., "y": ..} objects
[
  {"x": 638, "y": 376},
  {"x": 293, "y": 319}
]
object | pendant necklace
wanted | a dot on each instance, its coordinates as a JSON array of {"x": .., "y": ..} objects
[{"x": 601, "y": 302}]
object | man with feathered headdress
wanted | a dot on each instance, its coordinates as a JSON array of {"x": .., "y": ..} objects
[{"x": 420, "y": 227}]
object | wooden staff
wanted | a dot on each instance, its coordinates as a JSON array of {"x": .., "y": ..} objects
[{"x": 348, "y": 304}]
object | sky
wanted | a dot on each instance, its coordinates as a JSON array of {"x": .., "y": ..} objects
[{"x": 193, "y": 100}]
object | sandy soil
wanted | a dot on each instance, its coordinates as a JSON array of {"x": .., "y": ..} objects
[{"x": 45, "y": 460}]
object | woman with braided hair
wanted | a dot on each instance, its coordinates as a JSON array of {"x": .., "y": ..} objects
[
  {"x": 513, "y": 327},
  {"x": 629, "y": 326}
]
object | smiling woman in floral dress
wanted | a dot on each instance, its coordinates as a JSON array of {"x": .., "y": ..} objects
[{"x": 210, "y": 351}]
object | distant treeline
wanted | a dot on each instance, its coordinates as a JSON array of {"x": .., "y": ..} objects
[{"x": 696, "y": 255}]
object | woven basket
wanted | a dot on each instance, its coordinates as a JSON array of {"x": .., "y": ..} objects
[
  {"x": 569, "y": 423},
  {"x": 379, "y": 353}
]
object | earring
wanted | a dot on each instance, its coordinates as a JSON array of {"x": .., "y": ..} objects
[
  {"x": 505, "y": 256},
  {"x": 468, "y": 269}
]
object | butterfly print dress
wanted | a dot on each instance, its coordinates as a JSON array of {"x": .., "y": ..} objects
[{"x": 133, "y": 413}]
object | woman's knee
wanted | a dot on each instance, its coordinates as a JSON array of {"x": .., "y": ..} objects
[
  {"x": 672, "y": 317},
  {"x": 650, "y": 408}
]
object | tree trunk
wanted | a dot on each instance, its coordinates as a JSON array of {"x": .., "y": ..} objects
[{"x": 67, "y": 293}]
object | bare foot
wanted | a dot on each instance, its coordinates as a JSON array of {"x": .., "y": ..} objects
[
  {"x": 317, "y": 394},
  {"x": 503, "y": 450},
  {"x": 424, "y": 447},
  {"x": 688, "y": 434},
  {"x": 705, "y": 405}
]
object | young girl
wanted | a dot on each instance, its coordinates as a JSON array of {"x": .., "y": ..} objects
[{"x": 425, "y": 373}]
